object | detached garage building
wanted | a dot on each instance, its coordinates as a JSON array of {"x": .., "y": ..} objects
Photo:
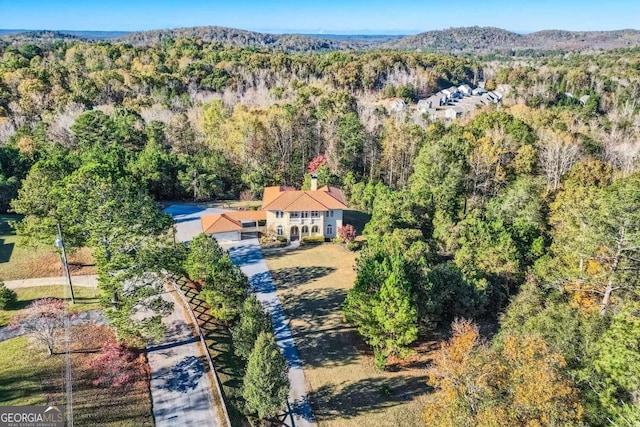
[{"x": 229, "y": 226}]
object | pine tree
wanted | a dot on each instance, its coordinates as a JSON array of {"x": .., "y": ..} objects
[
  {"x": 253, "y": 321},
  {"x": 266, "y": 384}
]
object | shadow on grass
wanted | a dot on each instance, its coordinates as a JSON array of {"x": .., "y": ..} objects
[
  {"x": 22, "y": 304},
  {"x": 285, "y": 278},
  {"x": 322, "y": 338},
  {"x": 347, "y": 400},
  {"x": 6, "y": 249}
]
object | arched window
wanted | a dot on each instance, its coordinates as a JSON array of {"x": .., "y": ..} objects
[
  {"x": 314, "y": 229},
  {"x": 280, "y": 230},
  {"x": 329, "y": 229},
  {"x": 305, "y": 229}
]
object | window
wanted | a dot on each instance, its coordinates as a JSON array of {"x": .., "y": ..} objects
[
  {"x": 280, "y": 230},
  {"x": 329, "y": 229},
  {"x": 330, "y": 214},
  {"x": 314, "y": 229},
  {"x": 314, "y": 214},
  {"x": 305, "y": 214},
  {"x": 279, "y": 214},
  {"x": 305, "y": 229},
  {"x": 294, "y": 214}
]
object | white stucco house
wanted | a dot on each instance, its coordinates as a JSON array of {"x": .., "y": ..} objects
[{"x": 298, "y": 213}]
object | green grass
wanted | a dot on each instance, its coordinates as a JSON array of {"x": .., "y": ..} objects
[
  {"x": 29, "y": 377},
  {"x": 23, "y": 262},
  {"x": 85, "y": 299}
]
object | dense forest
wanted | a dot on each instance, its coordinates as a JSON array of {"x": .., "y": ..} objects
[{"x": 519, "y": 223}]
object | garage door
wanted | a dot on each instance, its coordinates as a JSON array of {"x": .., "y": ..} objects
[{"x": 232, "y": 236}]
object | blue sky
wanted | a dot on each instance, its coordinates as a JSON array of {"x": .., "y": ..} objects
[{"x": 329, "y": 16}]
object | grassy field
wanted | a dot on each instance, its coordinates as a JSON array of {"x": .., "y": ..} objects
[
  {"x": 345, "y": 389},
  {"x": 86, "y": 299},
  {"x": 29, "y": 377},
  {"x": 23, "y": 262}
]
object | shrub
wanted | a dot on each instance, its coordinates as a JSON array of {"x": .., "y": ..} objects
[
  {"x": 117, "y": 366},
  {"x": 7, "y": 297},
  {"x": 347, "y": 233},
  {"x": 354, "y": 246},
  {"x": 312, "y": 240}
]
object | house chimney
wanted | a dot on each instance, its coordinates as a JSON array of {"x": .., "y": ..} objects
[{"x": 314, "y": 182}]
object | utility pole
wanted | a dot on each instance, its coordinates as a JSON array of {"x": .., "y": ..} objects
[
  {"x": 60, "y": 244},
  {"x": 67, "y": 323}
]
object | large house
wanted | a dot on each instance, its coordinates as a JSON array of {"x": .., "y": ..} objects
[{"x": 298, "y": 213}]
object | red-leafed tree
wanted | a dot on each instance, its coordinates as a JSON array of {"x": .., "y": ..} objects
[
  {"x": 43, "y": 319},
  {"x": 347, "y": 233},
  {"x": 117, "y": 366},
  {"x": 316, "y": 163}
]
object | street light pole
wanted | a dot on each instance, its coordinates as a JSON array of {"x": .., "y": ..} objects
[{"x": 60, "y": 244}]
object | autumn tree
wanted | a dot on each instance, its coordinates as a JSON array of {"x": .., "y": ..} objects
[
  {"x": 517, "y": 381},
  {"x": 600, "y": 243},
  {"x": 347, "y": 233},
  {"x": 44, "y": 319},
  {"x": 117, "y": 366}
]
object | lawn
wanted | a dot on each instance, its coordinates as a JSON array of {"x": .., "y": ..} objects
[
  {"x": 86, "y": 299},
  {"x": 345, "y": 389},
  {"x": 23, "y": 262},
  {"x": 29, "y": 377}
]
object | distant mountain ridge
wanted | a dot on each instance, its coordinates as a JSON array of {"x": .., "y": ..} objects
[
  {"x": 491, "y": 39},
  {"x": 452, "y": 40}
]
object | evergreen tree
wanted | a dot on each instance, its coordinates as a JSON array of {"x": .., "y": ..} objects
[
  {"x": 253, "y": 321},
  {"x": 265, "y": 385}
]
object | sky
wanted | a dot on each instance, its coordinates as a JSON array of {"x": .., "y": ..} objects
[{"x": 320, "y": 16}]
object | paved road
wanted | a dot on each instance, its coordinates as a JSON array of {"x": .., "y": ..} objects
[
  {"x": 180, "y": 386},
  {"x": 248, "y": 256},
  {"x": 85, "y": 281},
  {"x": 90, "y": 316}
]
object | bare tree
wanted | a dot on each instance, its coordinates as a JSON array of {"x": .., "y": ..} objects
[
  {"x": 43, "y": 319},
  {"x": 557, "y": 155}
]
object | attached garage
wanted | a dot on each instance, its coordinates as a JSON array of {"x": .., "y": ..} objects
[
  {"x": 230, "y": 236},
  {"x": 222, "y": 227}
]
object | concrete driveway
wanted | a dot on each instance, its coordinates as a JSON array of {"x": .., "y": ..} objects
[
  {"x": 248, "y": 255},
  {"x": 187, "y": 219},
  {"x": 180, "y": 385}
]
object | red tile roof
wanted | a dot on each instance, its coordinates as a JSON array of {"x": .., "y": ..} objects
[
  {"x": 248, "y": 215},
  {"x": 219, "y": 223},
  {"x": 287, "y": 199}
]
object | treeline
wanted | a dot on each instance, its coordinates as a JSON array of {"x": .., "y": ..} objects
[
  {"x": 521, "y": 217},
  {"x": 523, "y": 227}
]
